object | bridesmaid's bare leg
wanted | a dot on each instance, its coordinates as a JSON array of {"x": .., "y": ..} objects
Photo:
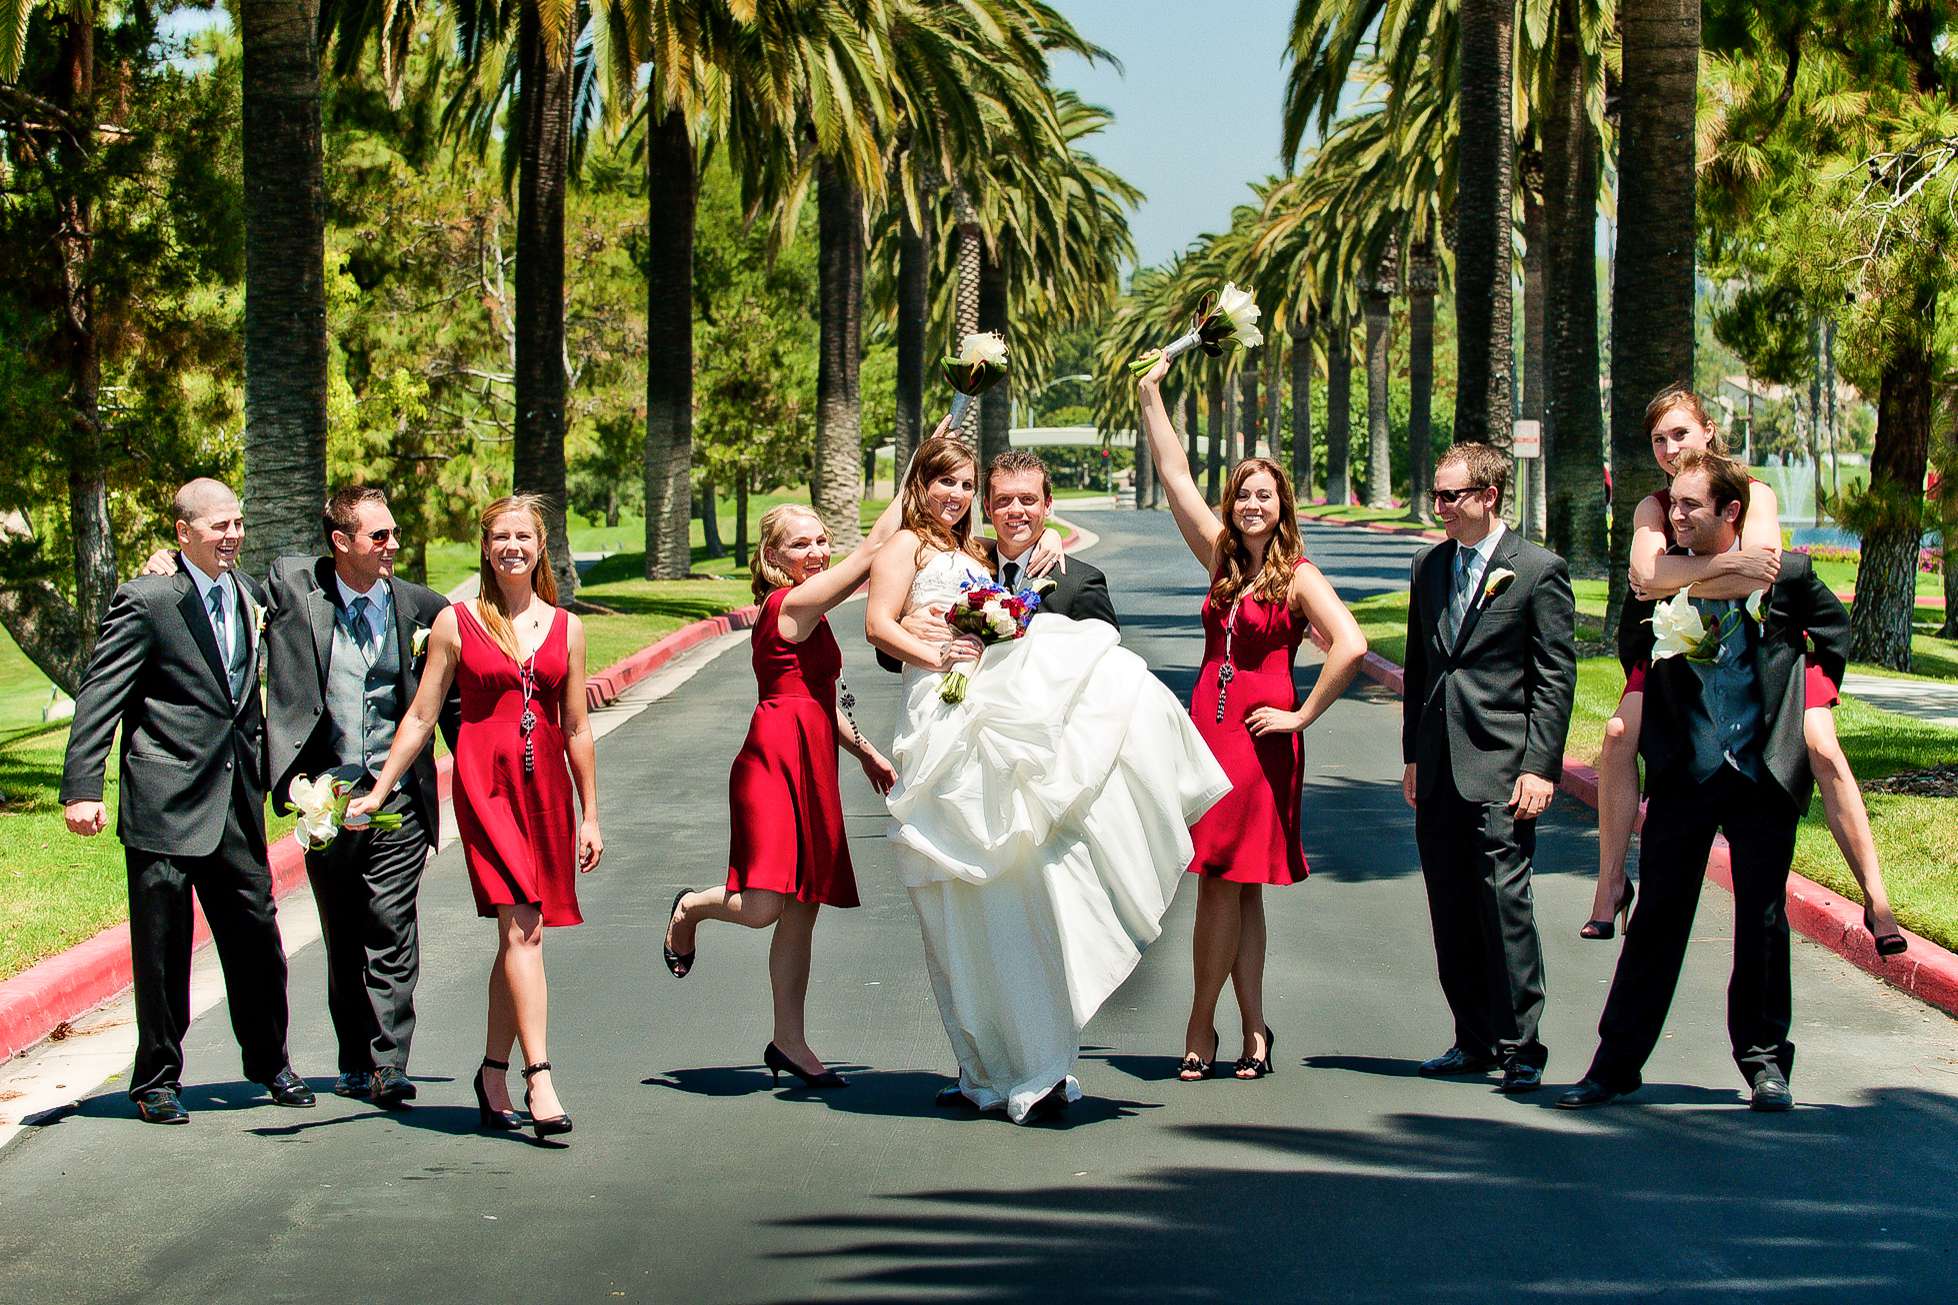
[
  {"x": 788, "y": 978},
  {"x": 1617, "y": 802},
  {"x": 1248, "y": 969},
  {"x": 502, "y": 1033},
  {"x": 1213, "y": 948},
  {"x": 522, "y": 939},
  {"x": 1848, "y": 816},
  {"x": 757, "y": 908}
]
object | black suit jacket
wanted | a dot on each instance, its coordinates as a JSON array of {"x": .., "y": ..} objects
[
  {"x": 1797, "y": 608},
  {"x": 1081, "y": 593},
  {"x": 305, "y": 603},
  {"x": 1497, "y": 704},
  {"x": 157, "y": 674}
]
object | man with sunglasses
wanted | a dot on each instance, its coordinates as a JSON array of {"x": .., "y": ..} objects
[
  {"x": 1490, "y": 677},
  {"x": 346, "y": 639}
]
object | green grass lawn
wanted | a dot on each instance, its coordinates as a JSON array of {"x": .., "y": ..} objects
[
  {"x": 1917, "y": 838},
  {"x": 1347, "y": 513},
  {"x": 24, "y": 691}
]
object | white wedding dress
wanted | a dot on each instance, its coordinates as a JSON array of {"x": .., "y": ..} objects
[{"x": 1041, "y": 826}]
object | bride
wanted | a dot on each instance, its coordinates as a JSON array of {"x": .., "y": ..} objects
[{"x": 1042, "y": 824}]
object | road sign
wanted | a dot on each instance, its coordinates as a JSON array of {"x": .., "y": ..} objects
[{"x": 1526, "y": 439}]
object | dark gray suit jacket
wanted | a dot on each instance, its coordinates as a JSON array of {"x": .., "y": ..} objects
[
  {"x": 305, "y": 602},
  {"x": 156, "y": 672},
  {"x": 1798, "y": 608},
  {"x": 1497, "y": 704},
  {"x": 1081, "y": 594}
]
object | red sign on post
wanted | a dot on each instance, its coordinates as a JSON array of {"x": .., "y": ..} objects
[{"x": 1526, "y": 439}]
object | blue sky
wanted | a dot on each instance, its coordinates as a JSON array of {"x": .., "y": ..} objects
[{"x": 1196, "y": 105}]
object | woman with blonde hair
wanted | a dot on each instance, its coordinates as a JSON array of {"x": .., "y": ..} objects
[
  {"x": 1264, "y": 595},
  {"x": 1041, "y": 821},
  {"x": 518, "y": 661},
  {"x": 789, "y": 857}
]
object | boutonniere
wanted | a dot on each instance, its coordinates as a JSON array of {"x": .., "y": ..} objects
[
  {"x": 258, "y": 619},
  {"x": 1493, "y": 584},
  {"x": 418, "y": 641},
  {"x": 1754, "y": 605},
  {"x": 1678, "y": 630}
]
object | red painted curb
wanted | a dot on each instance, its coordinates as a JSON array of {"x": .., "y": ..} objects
[
  {"x": 40, "y": 999},
  {"x": 1927, "y": 971}
]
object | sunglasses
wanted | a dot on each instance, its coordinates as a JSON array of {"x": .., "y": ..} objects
[
  {"x": 1449, "y": 497},
  {"x": 382, "y": 536}
]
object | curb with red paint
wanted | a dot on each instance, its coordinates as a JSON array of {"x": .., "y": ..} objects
[
  {"x": 1927, "y": 971},
  {"x": 40, "y": 999}
]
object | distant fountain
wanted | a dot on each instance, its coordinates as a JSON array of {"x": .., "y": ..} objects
[{"x": 1793, "y": 483}]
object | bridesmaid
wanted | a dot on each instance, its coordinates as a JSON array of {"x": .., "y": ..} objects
[
  {"x": 519, "y": 662},
  {"x": 1263, "y": 597},
  {"x": 789, "y": 857}
]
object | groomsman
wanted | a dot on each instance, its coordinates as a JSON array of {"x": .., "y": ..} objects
[
  {"x": 1491, "y": 671},
  {"x": 1019, "y": 498},
  {"x": 1723, "y": 750},
  {"x": 346, "y": 640},
  {"x": 176, "y": 668}
]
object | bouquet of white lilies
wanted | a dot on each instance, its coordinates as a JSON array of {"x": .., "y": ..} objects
[
  {"x": 979, "y": 365},
  {"x": 1226, "y": 318},
  {"x": 321, "y": 805}
]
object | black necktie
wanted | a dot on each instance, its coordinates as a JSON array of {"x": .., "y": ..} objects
[{"x": 1009, "y": 575}]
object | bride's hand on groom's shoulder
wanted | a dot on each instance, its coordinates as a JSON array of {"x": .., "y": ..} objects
[
  {"x": 1270, "y": 720},
  {"x": 1049, "y": 552},
  {"x": 881, "y": 774}
]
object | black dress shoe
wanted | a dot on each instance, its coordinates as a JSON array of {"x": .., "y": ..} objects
[
  {"x": 288, "y": 1089},
  {"x": 354, "y": 1085},
  {"x": 1588, "y": 1092},
  {"x": 160, "y": 1106},
  {"x": 953, "y": 1097},
  {"x": 1052, "y": 1106},
  {"x": 1456, "y": 1061},
  {"x": 1518, "y": 1078},
  {"x": 1771, "y": 1092},
  {"x": 391, "y": 1087}
]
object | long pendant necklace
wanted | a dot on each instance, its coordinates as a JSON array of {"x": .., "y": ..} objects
[
  {"x": 1228, "y": 671},
  {"x": 527, "y": 675}
]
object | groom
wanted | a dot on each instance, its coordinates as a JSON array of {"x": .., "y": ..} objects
[
  {"x": 1490, "y": 676},
  {"x": 1019, "y": 499}
]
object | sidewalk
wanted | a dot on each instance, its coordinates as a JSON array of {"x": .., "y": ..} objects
[{"x": 1932, "y": 701}]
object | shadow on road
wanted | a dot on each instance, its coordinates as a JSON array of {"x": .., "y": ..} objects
[
  {"x": 896, "y": 1094},
  {"x": 1701, "y": 1200}
]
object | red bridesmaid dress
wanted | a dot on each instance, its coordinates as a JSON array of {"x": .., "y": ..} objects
[
  {"x": 784, "y": 799},
  {"x": 1252, "y": 835},
  {"x": 517, "y": 830}
]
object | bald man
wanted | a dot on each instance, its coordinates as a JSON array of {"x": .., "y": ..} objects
[{"x": 176, "y": 669}]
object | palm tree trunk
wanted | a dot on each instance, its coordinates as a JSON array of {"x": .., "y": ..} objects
[
  {"x": 913, "y": 267},
  {"x": 1274, "y": 368},
  {"x": 710, "y": 520},
  {"x": 834, "y": 483},
  {"x": 1886, "y": 578},
  {"x": 1652, "y": 287},
  {"x": 671, "y": 192},
  {"x": 1485, "y": 362},
  {"x": 966, "y": 295},
  {"x": 1575, "y": 524},
  {"x": 285, "y": 279},
  {"x": 1815, "y": 411},
  {"x": 543, "y": 113},
  {"x": 1249, "y": 413},
  {"x": 1191, "y": 426},
  {"x": 1339, "y": 414},
  {"x": 1145, "y": 475},
  {"x": 996, "y": 405},
  {"x": 1380, "y": 465},
  {"x": 1302, "y": 410},
  {"x": 1533, "y": 497},
  {"x": 1422, "y": 279},
  {"x": 741, "y": 518},
  {"x": 1948, "y": 563},
  {"x": 1214, "y": 377}
]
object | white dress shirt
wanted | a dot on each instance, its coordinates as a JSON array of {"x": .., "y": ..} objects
[{"x": 225, "y": 586}]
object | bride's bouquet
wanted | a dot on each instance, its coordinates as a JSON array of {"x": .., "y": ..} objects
[
  {"x": 322, "y": 807},
  {"x": 1222, "y": 319},
  {"x": 979, "y": 365},
  {"x": 993, "y": 614}
]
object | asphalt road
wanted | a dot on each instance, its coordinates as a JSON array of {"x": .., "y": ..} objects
[{"x": 1342, "y": 1177}]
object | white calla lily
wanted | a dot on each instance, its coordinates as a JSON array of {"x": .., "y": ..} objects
[
  {"x": 1237, "y": 308},
  {"x": 987, "y": 347},
  {"x": 1677, "y": 627}
]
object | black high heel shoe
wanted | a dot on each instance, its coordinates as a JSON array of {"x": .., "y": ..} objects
[
  {"x": 677, "y": 963},
  {"x": 1259, "y": 1066},
  {"x": 487, "y": 1116},
  {"x": 779, "y": 1064},
  {"x": 1621, "y": 915},
  {"x": 543, "y": 1127},
  {"x": 1196, "y": 1065},
  {"x": 1888, "y": 944}
]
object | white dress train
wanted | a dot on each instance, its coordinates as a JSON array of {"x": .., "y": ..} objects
[{"x": 1042, "y": 826}]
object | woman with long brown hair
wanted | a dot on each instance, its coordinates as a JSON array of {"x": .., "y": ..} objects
[
  {"x": 1041, "y": 821},
  {"x": 1264, "y": 595},
  {"x": 518, "y": 660}
]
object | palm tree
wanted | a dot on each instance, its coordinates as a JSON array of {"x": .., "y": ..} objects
[
  {"x": 285, "y": 279},
  {"x": 1486, "y": 151},
  {"x": 1300, "y": 328},
  {"x": 1652, "y": 292},
  {"x": 1378, "y": 308}
]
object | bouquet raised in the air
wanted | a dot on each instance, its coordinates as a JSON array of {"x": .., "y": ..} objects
[
  {"x": 1679, "y": 630},
  {"x": 993, "y": 614},
  {"x": 979, "y": 365},
  {"x": 1226, "y": 318},
  {"x": 322, "y": 808}
]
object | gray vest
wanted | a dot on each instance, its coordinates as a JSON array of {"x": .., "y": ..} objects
[
  {"x": 363, "y": 699},
  {"x": 1725, "y": 725}
]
